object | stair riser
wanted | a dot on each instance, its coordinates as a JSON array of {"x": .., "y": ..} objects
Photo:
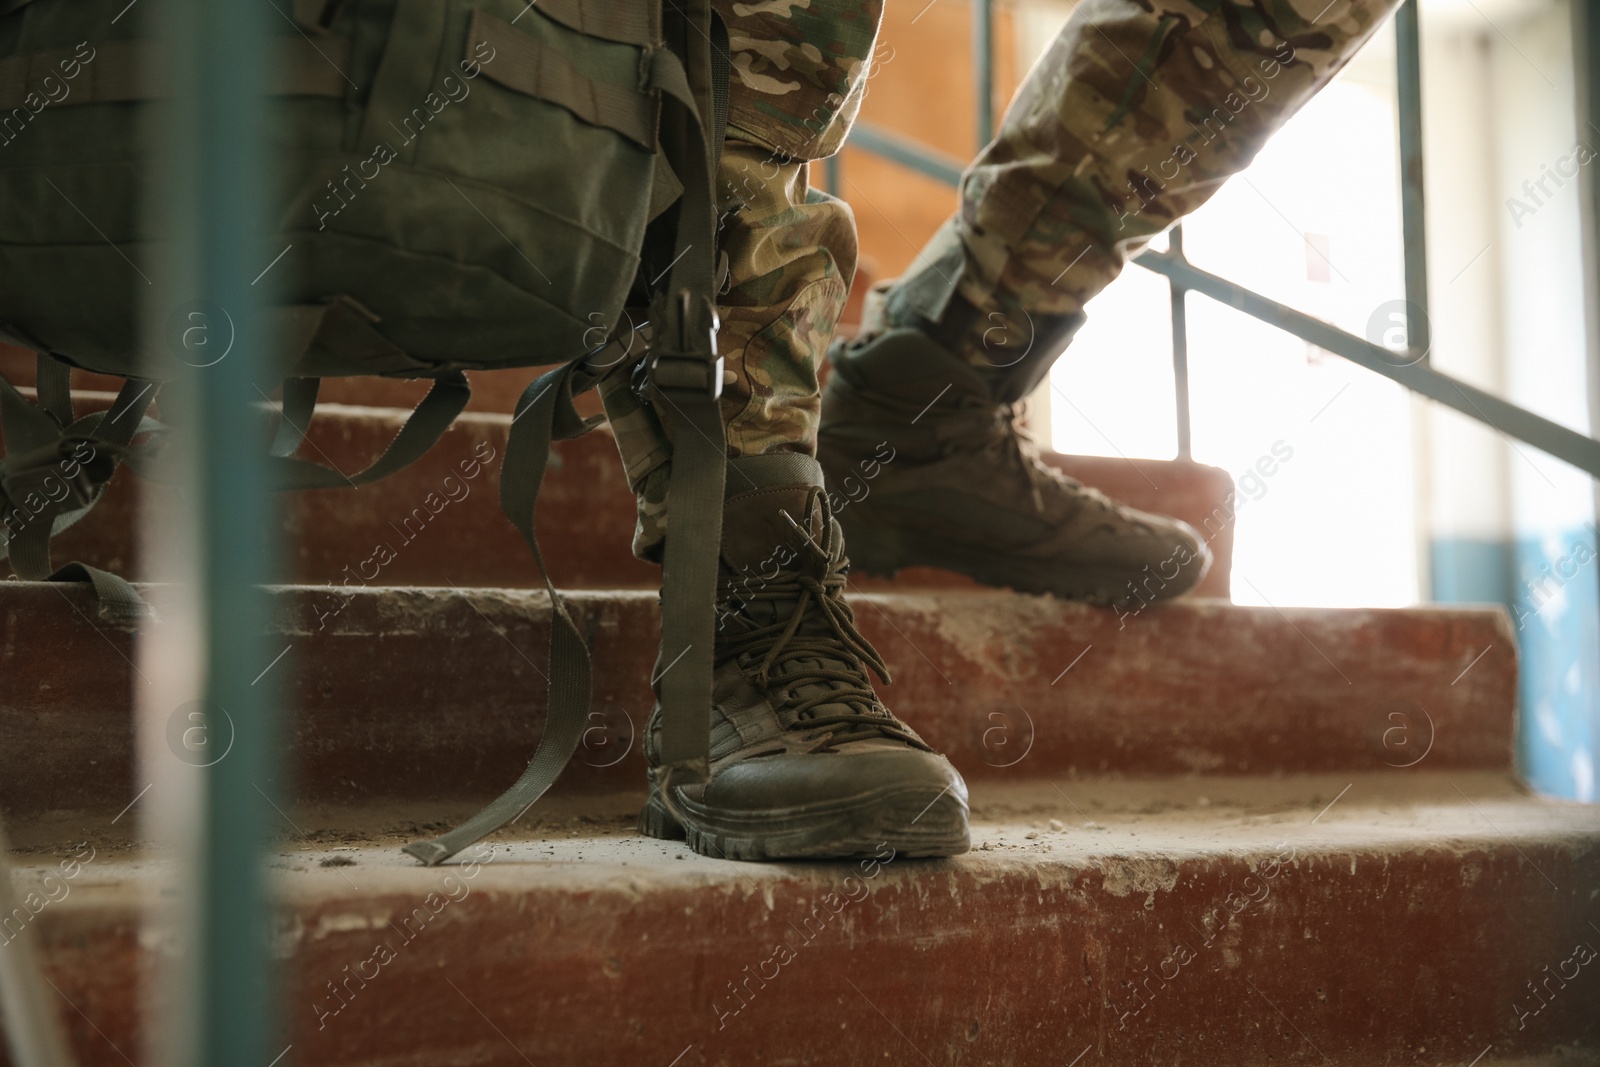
[
  {"x": 444, "y": 525},
  {"x": 438, "y": 521},
  {"x": 413, "y": 693},
  {"x": 1034, "y": 966}
]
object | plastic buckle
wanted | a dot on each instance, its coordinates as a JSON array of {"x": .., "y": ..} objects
[
  {"x": 677, "y": 366},
  {"x": 81, "y": 486},
  {"x": 52, "y": 475}
]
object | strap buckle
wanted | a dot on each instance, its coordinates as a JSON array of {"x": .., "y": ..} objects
[
  {"x": 684, "y": 361},
  {"x": 55, "y": 474},
  {"x": 81, "y": 483}
]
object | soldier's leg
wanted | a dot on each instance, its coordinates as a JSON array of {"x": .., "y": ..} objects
[
  {"x": 1134, "y": 117},
  {"x": 799, "y": 72},
  {"x": 794, "y": 689},
  {"x": 791, "y": 254}
]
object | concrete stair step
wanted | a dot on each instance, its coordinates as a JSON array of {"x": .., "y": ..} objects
[
  {"x": 1363, "y": 919},
  {"x": 437, "y": 693},
  {"x": 441, "y": 517}
]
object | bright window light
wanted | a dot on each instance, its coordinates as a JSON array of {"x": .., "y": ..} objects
[{"x": 1320, "y": 449}]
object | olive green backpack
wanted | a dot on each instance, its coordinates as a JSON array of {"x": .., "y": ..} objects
[{"x": 463, "y": 184}]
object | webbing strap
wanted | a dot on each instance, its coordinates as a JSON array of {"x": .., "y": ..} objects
[
  {"x": 299, "y": 404},
  {"x": 39, "y": 454},
  {"x": 118, "y": 599},
  {"x": 123, "y": 71},
  {"x": 627, "y": 21},
  {"x": 114, "y": 426},
  {"x": 721, "y": 71},
  {"x": 530, "y": 67},
  {"x": 432, "y": 417},
  {"x": 686, "y": 376},
  {"x": 544, "y": 412},
  {"x": 26, "y": 427},
  {"x": 52, "y": 380}
]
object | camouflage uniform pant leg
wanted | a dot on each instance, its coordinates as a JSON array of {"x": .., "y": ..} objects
[
  {"x": 799, "y": 69},
  {"x": 791, "y": 253},
  {"x": 1133, "y": 118}
]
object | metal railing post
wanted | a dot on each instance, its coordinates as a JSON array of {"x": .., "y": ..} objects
[
  {"x": 1180, "y": 348},
  {"x": 214, "y": 207},
  {"x": 1413, "y": 221},
  {"x": 983, "y": 68}
]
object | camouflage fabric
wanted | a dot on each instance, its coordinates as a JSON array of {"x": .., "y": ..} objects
[
  {"x": 1136, "y": 114},
  {"x": 799, "y": 70},
  {"x": 791, "y": 254}
]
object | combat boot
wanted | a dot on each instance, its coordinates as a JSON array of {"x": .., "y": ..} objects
[
  {"x": 932, "y": 469},
  {"x": 806, "y": 762}
]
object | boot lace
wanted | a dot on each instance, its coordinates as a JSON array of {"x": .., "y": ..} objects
[
  {"x": 1000, "y": 431},
  {"x": 816, "y": 645}
]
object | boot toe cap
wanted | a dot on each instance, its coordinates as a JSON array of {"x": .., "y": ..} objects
[
  {"x": 1168, "y": 561},
  {"x": 831, "y": 779},
  {"x": 819, "y": 805}
]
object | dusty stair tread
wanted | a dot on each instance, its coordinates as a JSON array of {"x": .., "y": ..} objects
[
  {"x": 439, "y": 693},
  {"x": 441, "y": 521},
  {"x": 1083, "y": 821},
  {"x": 1366, "y": 919}
]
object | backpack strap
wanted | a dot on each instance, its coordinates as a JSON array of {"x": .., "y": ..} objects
[
  {"x": 544, "y": 413},
  {"x": 686, "y": 376},
  {"x": 40, "y": 453},
  {"x": 422, "y": 430},
  {"x": 721, "y": 72},
  {"x": 52, "y": 381},
  {"x": 342, "y": 329},
  {"x": 346, "y": 331},
  {"x": 118, "y": 598},
  {"x": 627, "y": 21},
  {"x": 52, "y": 475},
  {"x": 129, "y": 70},
  {"x": 545, "y": 74},
  {"x": 294, "y": 418}
]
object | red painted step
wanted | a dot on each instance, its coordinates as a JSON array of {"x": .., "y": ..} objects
[
  {"x": 412, "y": 693},
  {"x": 1422, "y": 918},
  {"x": 441, "y": 517}
]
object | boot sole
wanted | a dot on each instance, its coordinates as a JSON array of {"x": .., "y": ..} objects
[
  {"x": 883, "y": 551},
  {"x": 906, "y": 820}
]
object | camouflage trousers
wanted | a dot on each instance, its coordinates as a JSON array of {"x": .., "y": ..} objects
[
  {"x": 791, "y": 254},
  {"x": 1134, "y": 117}
]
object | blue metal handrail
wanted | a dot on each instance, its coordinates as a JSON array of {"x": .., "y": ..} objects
[
  {"x": 1413, "y": 216},
  {"x": 214, "y": 175}
]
